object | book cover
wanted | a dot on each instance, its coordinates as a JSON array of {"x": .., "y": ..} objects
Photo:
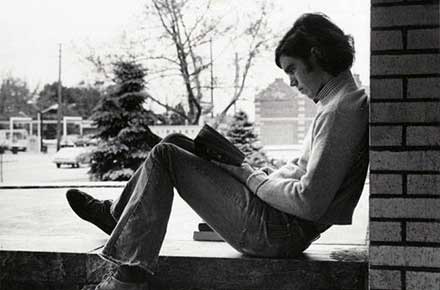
[{"x": 211, "y": 145}]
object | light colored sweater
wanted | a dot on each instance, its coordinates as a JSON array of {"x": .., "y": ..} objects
[{"x": 325, "y": 183}]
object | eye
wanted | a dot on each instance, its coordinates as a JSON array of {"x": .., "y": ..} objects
[{"x": 290, "y": 70}]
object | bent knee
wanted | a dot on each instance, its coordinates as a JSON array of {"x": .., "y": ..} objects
[
  {"x": 162, "y": 151},
  {"x": 173, "y": 138},
  {"x": 180, "y": 140}
]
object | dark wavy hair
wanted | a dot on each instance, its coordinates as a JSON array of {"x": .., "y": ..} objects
[{"x": 335, "y": 50}]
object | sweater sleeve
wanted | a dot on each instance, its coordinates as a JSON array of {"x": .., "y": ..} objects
[
  {"x": 330, "y": 158},
  {"x": 290, "y": 170}
]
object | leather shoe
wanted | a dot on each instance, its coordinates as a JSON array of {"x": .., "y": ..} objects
[{"x": 91, "y": 209}]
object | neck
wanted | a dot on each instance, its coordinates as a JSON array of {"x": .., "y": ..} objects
[{"x": 324, "y": 78}]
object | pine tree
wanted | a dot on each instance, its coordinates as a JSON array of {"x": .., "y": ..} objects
[
  {"x": 122, "y": 124},
  {"x": 241, "y": 132}
]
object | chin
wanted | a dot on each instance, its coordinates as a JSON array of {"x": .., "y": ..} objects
[{"x": 309, "y": 96}]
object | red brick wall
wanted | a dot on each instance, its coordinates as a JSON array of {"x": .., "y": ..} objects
[{"x": 405, "y": 145}]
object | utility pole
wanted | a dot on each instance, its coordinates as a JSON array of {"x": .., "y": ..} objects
[
  {"x": 60, "y": 101},
  {"x": 2, "y": 150},
  {"x": 236, "y": 80},
  {"x": 212, "y": 78}
]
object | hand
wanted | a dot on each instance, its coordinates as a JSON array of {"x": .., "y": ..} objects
[
  {"x": 240, "y": 172},
  {"x": 267, "y": 170}
]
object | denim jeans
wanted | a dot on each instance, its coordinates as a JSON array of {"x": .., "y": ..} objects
[{"x": 242, "y": 219}]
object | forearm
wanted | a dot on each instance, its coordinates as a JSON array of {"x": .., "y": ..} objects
[{"x": 295, "y": 197}]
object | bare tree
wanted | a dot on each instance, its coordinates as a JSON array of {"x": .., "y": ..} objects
[
  {"x": 258, "y": 36},
  {"x": 188, "y": 34},
  {"x": 177, "y": 36},
  {"x": 187, "y": 38}
]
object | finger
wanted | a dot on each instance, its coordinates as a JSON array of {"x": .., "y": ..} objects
[{"x": 222, "y": 165}]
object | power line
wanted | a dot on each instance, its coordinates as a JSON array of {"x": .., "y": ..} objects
[
  {"x": 212, "y": 78},
  {"x": 60, "y": 107}
]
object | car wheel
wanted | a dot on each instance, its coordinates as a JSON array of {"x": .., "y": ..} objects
[
  {"x": 77, "y": 165},
  {"x": 58, "y": 165}
]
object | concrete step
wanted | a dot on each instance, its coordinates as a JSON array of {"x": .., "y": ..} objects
[{"x": 186, "y": 265}]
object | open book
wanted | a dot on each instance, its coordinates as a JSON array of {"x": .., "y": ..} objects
[{"x": 211, "y": 145}]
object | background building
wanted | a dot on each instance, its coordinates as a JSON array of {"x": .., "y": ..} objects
[
  {"x": 282, "y": 118},
  {"x": 282, "y": 114}
]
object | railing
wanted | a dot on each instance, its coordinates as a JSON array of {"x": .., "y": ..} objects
[{"x": 189, "y": 130}]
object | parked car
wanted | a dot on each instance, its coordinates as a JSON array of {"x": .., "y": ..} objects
[
  {"x": 18, "y": 142},
  {"x": 73, "y": 156}
]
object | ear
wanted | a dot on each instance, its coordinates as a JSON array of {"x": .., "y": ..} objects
[{"x": 314, "y": 57}]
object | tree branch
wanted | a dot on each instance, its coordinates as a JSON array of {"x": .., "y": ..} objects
[
  {"x": 148, "y": 96},
  {"x": 254, "y": 30}
]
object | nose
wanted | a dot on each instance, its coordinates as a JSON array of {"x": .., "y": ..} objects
[{"x": 293, "y": 81}]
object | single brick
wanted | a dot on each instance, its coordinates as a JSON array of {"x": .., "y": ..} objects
[
  {"x": 385, "y": 135},
  {"x": 405, "y": 15},
  {"x": 405, "y": 64},
  {"x": 423, "y": 88},
  {"x": 384, "y": 279},
  {"x": 385, "y": 231},
  {"x": 386, "y": 88},
  {"x": 416, "y": 112},
  {"x": 404, "y": 208},
  {"x": 407, "y": 160},
  {"x": 384, "y": 1},
  {"x": 383, "y": 40},
  {"x": 423, "y": 136},
  {"x": 422, "y": 280},
  {"x": 386, "y": 255},
  {"x": 423, "y": 232},
  {"x": 385, "y": 184},
  {"x": 423, "y": 184},
  {"x": 423, "y": 38},
  {"x": 404, "y": 256}
]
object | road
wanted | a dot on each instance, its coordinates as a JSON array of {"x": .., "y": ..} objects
[{"x": 28, "y": 167}]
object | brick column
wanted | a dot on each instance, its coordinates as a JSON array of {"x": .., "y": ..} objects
[{"x": 405, "y": 145}]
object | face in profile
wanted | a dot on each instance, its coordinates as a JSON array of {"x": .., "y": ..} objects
[{"x": 305, "y": 77}]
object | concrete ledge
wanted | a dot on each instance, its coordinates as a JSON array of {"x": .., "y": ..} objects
[
  {"x": 194, "y": 265},
  {"x": 44, "y": 245}
]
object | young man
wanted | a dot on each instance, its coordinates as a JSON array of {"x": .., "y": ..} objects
[{"x": 266, "y": 213}]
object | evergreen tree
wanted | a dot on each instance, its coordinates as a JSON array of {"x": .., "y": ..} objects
[
  {"x": 176, "y": 119},
  {"x": 122, "y": 124},
  {"x": 242, "y": 134}
]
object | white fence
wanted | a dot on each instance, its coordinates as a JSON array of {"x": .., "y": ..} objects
[
  {"x": 191, "y": 130},
  {"x": 285, "y": 152}
]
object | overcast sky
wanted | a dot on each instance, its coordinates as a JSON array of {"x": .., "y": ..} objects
[{"x": 30, "y": 31}]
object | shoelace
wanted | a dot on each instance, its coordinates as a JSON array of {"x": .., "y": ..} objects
[
  {"x": 99, "y": 206},
  {"x": 107, "y": 276}
]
